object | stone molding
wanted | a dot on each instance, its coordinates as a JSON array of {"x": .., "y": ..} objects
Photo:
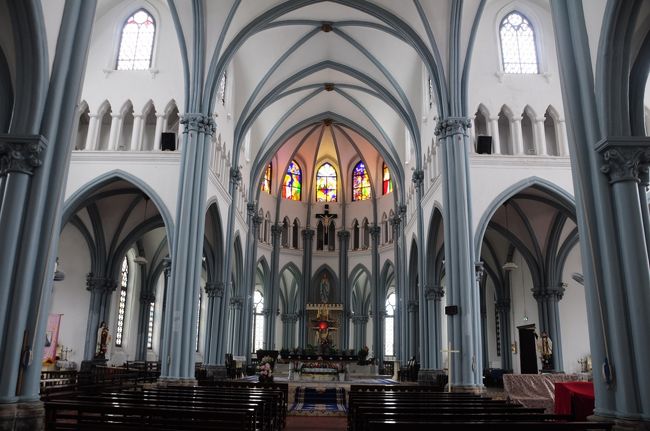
[
  {"x": 289, "y": 317},
  {"x": 235, "y": 176},
  {"x": 214, "y": 289},
  {"x": 102, "y": 284},
  {"x": 21, "y": 154},
  {"x": 236, "y": 302},
  {"x": 359, "y": 319},
  {"x": 198, "y": 122},
  {"x": 453, "y": 126},
  {"x": 434, "y": 292},
  {"x": 624, "y": 158},
  {"x": 418, "y": 178}
]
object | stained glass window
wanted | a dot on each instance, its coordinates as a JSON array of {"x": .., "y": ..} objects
[
  {"x": 266, "y": 182},
  {"x": 387, "y": 183},
  {"x": 152, "y": 308},
  {"x": 136, "y": 44},
  {"x": 360, "y": 183},
  {"x": 389, "y": 345},
  {"x": 326, "y": 183},
  {"x": 258, "y": 321},
  {"x": 518, "y": 50},
  {"x": 292, "y": 185},
  {"x": 121, "y": 308}
]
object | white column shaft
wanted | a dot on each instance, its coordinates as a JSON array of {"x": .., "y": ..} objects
[
  {"x": 136, "y": 134},
  {"x": 540, "y": 137},
  {"x": 562, "y": 139},
  {"x": 494, "y": 131},
  {"x": 91, "y": 138},
  {"x": 160, "y": 123},
  {"x": 517, "y": 136},
  {"x": 114, "y": 136}
]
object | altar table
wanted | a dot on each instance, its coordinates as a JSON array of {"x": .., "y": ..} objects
[{"x": 574, "y": 398}]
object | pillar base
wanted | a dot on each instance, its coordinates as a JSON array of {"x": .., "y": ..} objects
[
  {"x": 22, "y": 416},
  {"x": 622, "y": 424}
]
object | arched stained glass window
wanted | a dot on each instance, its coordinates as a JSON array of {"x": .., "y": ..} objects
[
  {"x": 266, "y": 182},
  {"x": 292, "y": 185},
  {"x": 360, "y": 183},
  {"x": 136, "y": 44},
  {"x": 387, "y": 183},
  {"x": 150, "y": 320},
  {"x": 121, "y": 307},
  {"x": 389, "y": 336},
  {"x": 222, "y": 88},
  {"x": 258, "y": 321},
  {"x": 326, "y": 183},
  {"x": 518, "y": 51}
]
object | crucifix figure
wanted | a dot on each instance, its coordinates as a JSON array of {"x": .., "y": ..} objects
[
  {"x": 326, "y": 218},
  {"x": 448, "y": 351}
]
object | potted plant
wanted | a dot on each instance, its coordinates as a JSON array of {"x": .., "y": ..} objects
[{"x": 265, "y": 369}]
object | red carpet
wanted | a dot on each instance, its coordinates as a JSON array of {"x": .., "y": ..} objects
[{"x": 313, "y": 423}]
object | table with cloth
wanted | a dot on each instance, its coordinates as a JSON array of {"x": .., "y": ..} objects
[
  {"x": 574, "y": 398},
  {"x": 534, "y": 390}
]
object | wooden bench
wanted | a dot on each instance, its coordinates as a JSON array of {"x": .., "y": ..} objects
[{"x": 396, "y": 425}]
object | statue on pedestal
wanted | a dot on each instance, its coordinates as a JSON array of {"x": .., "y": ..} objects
[{"x": 103, "y": 340}]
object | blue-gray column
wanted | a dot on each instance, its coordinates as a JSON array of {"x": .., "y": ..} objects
[
  {"x": 344, "y": 242},
  {"x": 273, "y": 301},
  {"x": 413, "y": 306},
  {"x": 644, "y": 181},
  {"x": 254, "y": 222},
  {"x": 289, "y": 330},
  {"x": 146, "y": 298},
  {"x": 484, "y": 329},
  {"x": 378, "y": 299},
  {"x": 424, "y": 326},
  {"x": 503, "y": 310},
  {"x": 464, "y": 331},
  {"x": 307, "y": 240},
  {"x": 178, "y": 347},
  {"x": 401, "y": 315},
  {"x": 548, "y": 299},
  {"x": 214, "y": 293},
  {"x": 236, "y": 304},
  {"x": 101, "y": 289},
  {"x": 433, "y": 295},
  {"x": 359, "y": 322}
]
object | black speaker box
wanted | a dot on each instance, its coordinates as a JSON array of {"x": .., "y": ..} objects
[
  {"x": 168, "y": 141},
  {"x": 484, "y": 144},
  {"x": 451, "y": 310}
]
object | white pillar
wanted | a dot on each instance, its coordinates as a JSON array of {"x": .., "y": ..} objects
[
  {"x": 562, "y": 139},
  {"x": 540, "y": 136},
  {"x": 517, "y": 136},
  {"x": 116, "y": 125},
  {"x": 471, "y": 142},
  {"x": 160, "y": 123},
  {"x": 136, "y": 134},
  {"x": 91, "y": 138},
  {"x": 494, "y": 131}
]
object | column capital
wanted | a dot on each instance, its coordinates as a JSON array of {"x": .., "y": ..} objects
[
  {"x": 343, "y": 234},
  {"x": 235, "y": 176},
  {"x": 251, "y": 209},
  {"x": 359, "y": 319},
  {"x": 308, "y": 234},
  {"x": 395, "y": 221},
  {"x": 147, "y": 297},
  {"x": 289, "y": 317},
  {"x": 479, "y": 271},
  {"x": 452, "y": 126},
  {"x": 236, "y": 302},
  {"x": 116, "y": 115},
  {"x": 198, "y": 122},
  {"x": 214, "y": 289},
  {"x": 418, "y": 177},
  {"x": 21, "y": 153},
  {"x": 623, "y": 157},
  {"x": 276, "y": 230},
  {"x": 374, "y": 231},
  {"x": 100, "y": 284},
  {"x": 257, "y": 221},
  {"x": 434, "y": 292},
  {"x": 548, "y": 293},
  {"x": 413, "y": 305}
]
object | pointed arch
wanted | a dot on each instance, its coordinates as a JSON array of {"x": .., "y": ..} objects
[
  {"x": 136, "y": 42},
  {"x": 326, "y": 183}
]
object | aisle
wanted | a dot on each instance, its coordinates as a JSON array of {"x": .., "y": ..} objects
[{"x": 316, "y": 423}]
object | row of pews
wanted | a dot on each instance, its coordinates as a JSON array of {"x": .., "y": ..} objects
[
  {"x": 398, "y": 407},
  {"x": 218, "y": 407}
]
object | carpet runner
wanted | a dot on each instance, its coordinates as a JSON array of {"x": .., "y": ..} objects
[{"x": 319, "y": 402}]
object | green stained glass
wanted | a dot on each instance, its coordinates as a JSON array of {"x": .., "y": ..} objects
[
  {"x": 326, "y": 182},
  {"x": 292, "y": 184},
  {"x": 360, "y": 183}
]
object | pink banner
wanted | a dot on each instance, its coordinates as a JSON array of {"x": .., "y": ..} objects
[{"x": 51, "y": 337}]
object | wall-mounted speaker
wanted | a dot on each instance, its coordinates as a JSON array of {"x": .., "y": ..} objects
[
  {"x": 484, "y": 144},
  {"x": 451, "y": 310},
  {"x": 168, "y": 141}
]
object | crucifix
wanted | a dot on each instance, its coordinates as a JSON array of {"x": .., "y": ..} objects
[
  {"x": 326, "y": 218},
  {"x": 448, "y": 351}
]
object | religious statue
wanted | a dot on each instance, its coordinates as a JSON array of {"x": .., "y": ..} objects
[
  {"x": 545, "y": 350},
  {"x": 103, "y": 339},
  {"x": 324, "y": 289}
]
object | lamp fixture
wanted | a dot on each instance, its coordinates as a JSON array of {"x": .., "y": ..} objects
[{"x": 141, "y": 260}]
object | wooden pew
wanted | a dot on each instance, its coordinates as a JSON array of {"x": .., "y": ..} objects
[{"x": 396, "y": 425}]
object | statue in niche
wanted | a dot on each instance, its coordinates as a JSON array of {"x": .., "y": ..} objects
[
  {"x": 103, "y": 339},
  {"x": 324, "y": 289}
]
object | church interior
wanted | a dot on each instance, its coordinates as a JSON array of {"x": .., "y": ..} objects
[{"x": 379, "y": 212}]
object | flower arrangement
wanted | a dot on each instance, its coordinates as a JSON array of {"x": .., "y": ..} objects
[{"x": 265, "y": 369}]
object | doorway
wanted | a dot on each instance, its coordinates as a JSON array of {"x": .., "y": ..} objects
[{"x": 527, "y": 349}]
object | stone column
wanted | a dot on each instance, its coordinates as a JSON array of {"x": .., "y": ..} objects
[
  {"x": 91, "y": 138},
  {"x": 179, "y": 329},
  {"x": 307, "y": 239},
  {"x": 344, "y": 241},
  {"x": 254, "y": 221},
  {"x": 160, "y": 124},
  {"x": 517, "y": 137},
  {"x": 503, "y": 310},
  {"x": 644, "y": 181},
  {"x": 136, "y": 134},
  {"x": 549, "y": 319},
  {"x": 562, "y": 139},
  {"x": 214, "y": 292},
  {"x": 484, "y": 332},
  {"x": 236, "y": 304},
  {"x": 401, "y": 344},
  {"x": 359, "y": 322},
  {"x": 289, "y": 330},
  {"x": 433, "y": 295},
  {"x": 413, "y": 329},
  {"x": 424, "y": 327},
  {"x": 378, "y": 298},
  {"x": 101, "y": 289},
  {"x": 496, "y": 139},
  {"x": 540, "y": 136},
  {"x": 114, "y": 135},
  {"x": 276, "y": 241},
  {"x": 146, "y": 298},
  {"x": 463, "y": 328}
]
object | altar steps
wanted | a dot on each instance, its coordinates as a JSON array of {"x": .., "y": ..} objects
[{"x": 310, "y": 401}]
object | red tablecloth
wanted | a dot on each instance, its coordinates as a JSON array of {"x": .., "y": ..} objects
[{"x": 574, "y": 398}]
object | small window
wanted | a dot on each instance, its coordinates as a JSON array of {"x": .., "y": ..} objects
[
  {"x": 150, "y": 320},
  {"x": 121, "y": 308},
  {"x": 360, "y": 183},
  {"x": 136, "y": 43},
  {"x": 389, "y": 328},
  {"x": 266, "y": 182},
  {"x": 518, "y": 50},
  {"x": 258, "y": 321},
  {"x": 326, "y": 183}
]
